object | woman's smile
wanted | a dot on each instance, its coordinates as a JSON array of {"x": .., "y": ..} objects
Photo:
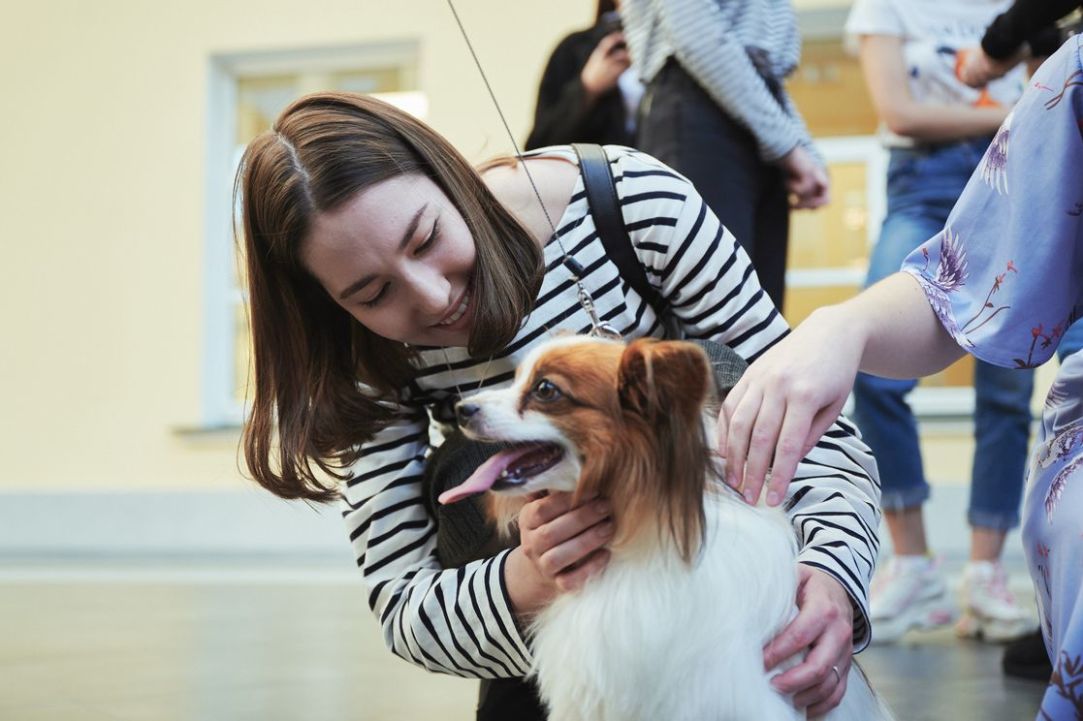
[{"x": 458, "y": 318}]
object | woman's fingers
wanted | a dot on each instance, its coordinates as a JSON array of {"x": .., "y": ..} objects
[
  {"x": 814, "y": 679},
  {"x": 833, "y": 699},
  {"x": 789, "y": 449},
  {"x": 565, "y": 555},
  {"x": 573, "y": 578},
  {"x": 824, "y": 696},
  {"x": 741, "y": 417},
  {"x": 761, "y": 448},
  {"x": 769, "y": 433},
  {"x": 824, "y": 628},
  {"x": 558, "y": 537}
]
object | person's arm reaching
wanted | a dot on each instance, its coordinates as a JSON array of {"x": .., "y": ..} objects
[
  {"x": 788, "y": 398},
  {"x": 1001, "y": 281},
  {"x": 886, "y": 75}
]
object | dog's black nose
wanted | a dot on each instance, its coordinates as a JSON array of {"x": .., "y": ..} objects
[{"x": 464, "y": 412}]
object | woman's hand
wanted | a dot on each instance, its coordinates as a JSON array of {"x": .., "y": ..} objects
[
  {"x": 823, "y": 632},
  {"x": 605, "y": 65},
  {"x": 785, "y": 402},
  {"x": 560, "y": 547},
  {"x": 806, "y": 180},
  {"x": 978, "y": 69}
]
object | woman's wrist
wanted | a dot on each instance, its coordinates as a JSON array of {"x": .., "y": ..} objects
[{"x": 527, "y": 589}]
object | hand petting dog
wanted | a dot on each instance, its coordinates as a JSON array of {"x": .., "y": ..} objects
[
  {"x": 823, "y": 629},
  {"x": 560, "y": 547}
]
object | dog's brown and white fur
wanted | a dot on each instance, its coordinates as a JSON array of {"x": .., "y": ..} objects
[{"x": 697, "y": 582}]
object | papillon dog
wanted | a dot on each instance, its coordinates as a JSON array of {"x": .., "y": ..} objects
[{"x": 698, "y": 581}]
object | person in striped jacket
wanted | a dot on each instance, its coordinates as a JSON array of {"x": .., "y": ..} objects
[{"x": 387, "y": 277}]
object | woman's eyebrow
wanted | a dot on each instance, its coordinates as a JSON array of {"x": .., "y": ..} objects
[{"x": 365, "y": 280}]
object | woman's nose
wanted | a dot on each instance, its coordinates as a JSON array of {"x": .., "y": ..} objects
[{"x": 431, "y": 293}]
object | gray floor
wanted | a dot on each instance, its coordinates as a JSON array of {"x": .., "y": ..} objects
[{"x": 118, "y": 643}]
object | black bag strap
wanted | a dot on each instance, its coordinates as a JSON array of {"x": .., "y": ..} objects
[{"x": 605, "y": 208}]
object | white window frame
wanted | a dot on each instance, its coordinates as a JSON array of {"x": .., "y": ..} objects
[{"x": 221, "y": 289}]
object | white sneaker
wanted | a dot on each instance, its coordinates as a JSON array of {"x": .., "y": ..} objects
[
  {"x": 909, "y": 593},
  {"x": 990, "y": 611}
]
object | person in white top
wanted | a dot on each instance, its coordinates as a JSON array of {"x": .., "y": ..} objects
[{"x": 937, "y": 129}]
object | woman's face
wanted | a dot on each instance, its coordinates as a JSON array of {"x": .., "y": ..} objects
[{"x": 399, "y": 258}]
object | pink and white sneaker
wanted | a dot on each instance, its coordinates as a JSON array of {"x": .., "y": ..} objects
[
  {"x": 909, "y": 593},
  {"x": 990, "y": 611}
]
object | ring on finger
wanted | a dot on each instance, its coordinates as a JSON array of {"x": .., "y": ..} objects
[{"x": 838, "y": 674}]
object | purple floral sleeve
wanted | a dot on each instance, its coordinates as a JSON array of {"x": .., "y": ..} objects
[{"x": 1005, "y": 276}]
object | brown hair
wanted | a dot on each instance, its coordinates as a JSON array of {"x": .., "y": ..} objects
[{"x": 309, "y": 354}]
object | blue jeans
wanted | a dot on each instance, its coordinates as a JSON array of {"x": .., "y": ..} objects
[{"x": 922, "y": 186}]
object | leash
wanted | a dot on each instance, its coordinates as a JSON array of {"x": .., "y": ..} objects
[{"x": 598, "y": 328}]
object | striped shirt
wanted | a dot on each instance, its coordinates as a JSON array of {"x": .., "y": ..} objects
[
  {"x": 459, "y": 620},
  {"x": 736, "y": 50}
]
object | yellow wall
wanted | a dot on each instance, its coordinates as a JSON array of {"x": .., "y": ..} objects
[{"x": 102, "y": 207}]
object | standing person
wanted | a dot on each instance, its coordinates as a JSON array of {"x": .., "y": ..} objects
[
  {"x": 1026, "y": 30},
  {"x": 1001, "y": 281},
  {"x": 386, "y": 276},
  {"x": 716, "y": 111},
  {"x": 937, "y": 130},
  {"x": 588, "y": 93}
]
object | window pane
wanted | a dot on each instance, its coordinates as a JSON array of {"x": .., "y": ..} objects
[
  {"x": 834, "y": 236},
  {"x": 262, "y": 97}
]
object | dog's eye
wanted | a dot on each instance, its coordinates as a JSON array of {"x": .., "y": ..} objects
[{"x": 545, "y": 391}]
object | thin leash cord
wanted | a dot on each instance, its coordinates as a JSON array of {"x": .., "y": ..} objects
[{"x": 573, "y": 266}]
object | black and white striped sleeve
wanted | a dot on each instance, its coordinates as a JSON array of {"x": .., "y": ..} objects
[
  {"x": 834, "y": 504},
  {"x": 455, "y": 621},
  {"x": 697, "y": 265}
]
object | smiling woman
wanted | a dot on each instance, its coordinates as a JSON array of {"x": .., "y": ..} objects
[
  {"x": 388, "y": 278},
  {"x": 338, "y": 182}
]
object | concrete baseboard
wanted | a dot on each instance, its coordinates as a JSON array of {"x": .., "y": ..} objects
[
  {"x": 168, "y": 524},
  {"x": 250, "y": 524}
]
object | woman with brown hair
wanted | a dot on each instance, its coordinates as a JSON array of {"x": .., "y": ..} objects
[{"x": 387, "y": 277}]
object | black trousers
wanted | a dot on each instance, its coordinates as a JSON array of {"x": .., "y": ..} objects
[
  {"x": 684, "y": 128},
  {"x": 509, "y": 699}
]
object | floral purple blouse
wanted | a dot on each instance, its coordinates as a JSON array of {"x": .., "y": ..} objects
[{"x": 1005, "y": 277}]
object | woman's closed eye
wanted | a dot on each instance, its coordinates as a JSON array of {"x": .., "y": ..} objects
[
  {"x": 374, "y": 300},
  {"x": 434, "y": 235},
  {"x": 421, "y": 249}
]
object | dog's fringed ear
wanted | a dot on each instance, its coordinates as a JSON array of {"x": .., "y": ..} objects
[
  {"x": 664, "y": 384},
  {"x": 663, "y": 377}
]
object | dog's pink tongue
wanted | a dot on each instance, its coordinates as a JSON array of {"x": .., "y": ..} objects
[{"x": 482, "y": 479}]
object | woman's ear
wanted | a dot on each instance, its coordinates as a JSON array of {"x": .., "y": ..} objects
[{"x": 663, "y": 377}]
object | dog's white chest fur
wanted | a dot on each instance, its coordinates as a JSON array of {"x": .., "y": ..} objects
[{"x": 653, "y": 638}]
